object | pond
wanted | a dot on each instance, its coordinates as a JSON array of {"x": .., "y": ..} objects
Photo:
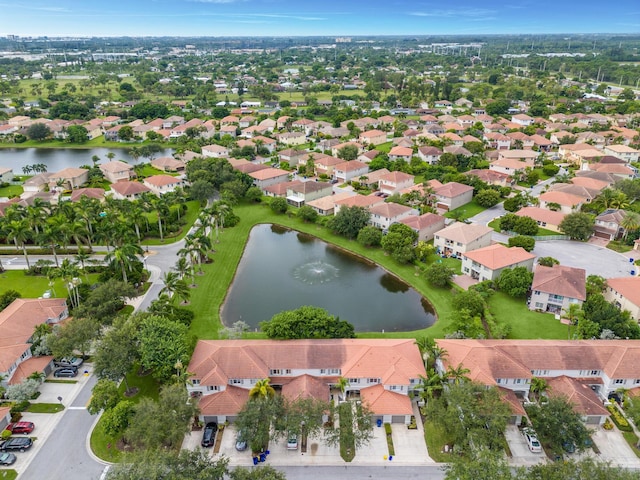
[
  {"x": 57, "y": 159},
  {"x": 283, "y": 269}
]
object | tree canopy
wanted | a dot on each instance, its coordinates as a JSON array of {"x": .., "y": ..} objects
[{"x": 306, "y": 322}]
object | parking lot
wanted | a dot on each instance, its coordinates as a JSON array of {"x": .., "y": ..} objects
[{"x": 45, "y": 423}]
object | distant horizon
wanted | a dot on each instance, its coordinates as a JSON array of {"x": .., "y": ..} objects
[{"x": 331, "y": 18}]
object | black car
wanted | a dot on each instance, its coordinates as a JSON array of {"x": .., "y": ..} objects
[
  {"x": 17, "y": 443},
  {"x": 68, "y": 372},
  {"x": 209, "y": 434},
  {"x": 7, "y": 458}
]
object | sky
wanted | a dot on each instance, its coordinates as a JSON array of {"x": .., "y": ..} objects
[{"x": 313, "y": 17}]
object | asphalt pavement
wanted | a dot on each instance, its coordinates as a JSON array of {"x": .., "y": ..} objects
[{"x": 351, "y": 472}]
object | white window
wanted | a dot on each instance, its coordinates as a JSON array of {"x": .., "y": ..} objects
[
  {"x": 354, "y": 380},
  {"x": 373, "y": 380},
  {"x": 334, "y": 371},
  {"x": 275, "y": 371},
  {"x": 212, "y": 388},
  {"x": 195, "y": 381},
  {"x": 235, "y": 381},
  {"x": 618, "y": 381},
  {"x": 595, "y": 372},
  {"x": 287, "y": 371},
  {"x": 394, "y": 387},
  {"x": 500, "y": 381}
]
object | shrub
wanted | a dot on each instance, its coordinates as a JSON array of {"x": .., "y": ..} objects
[
  {"x": 5, "y": 434},
  {"x": 619, "y": 419}
]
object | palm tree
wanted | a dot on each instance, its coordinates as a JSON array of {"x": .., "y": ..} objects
[
  {"x": 69, "y": 272},
  {"x": 19, "y": 231},
  {"x": 175, "y": 286},
  {"x": 81, "y": 257},
  {"x": 630, "y": 223},
  {"x": 262, "y": 390},
  {"x": 124, "y": 256},
  {"x": 430, "y": 385},
  {"x": 538, "y": 386},
  {"x": 573, "y": 314},
  {"x": 182, "y": 266},
  {"x": 458, "y": 374},
  {"x": 342, "y": 385}
]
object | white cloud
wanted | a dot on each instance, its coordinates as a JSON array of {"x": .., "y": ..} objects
[{"x": 459, "y": 12}]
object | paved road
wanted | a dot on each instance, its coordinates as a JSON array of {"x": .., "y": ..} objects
[
  {"x": 351, "y": 472},
  {"x": 64, "y": 455}
]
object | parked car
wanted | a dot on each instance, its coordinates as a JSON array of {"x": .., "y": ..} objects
[
  {"x": 334, "y": 181},
  {"x": 532, "y": 440},
  {"x": 21, "y": 427},
  {"x": 68, "y": 362},
  {"x": 7, "y": 458},
  {"x": 292, "y": 441},
  {"x": 241, "y": 442},
  {"x": 209, "y": 434},
  {"x": 17, "y": 443},
  {"x": 68, "y": 372}
]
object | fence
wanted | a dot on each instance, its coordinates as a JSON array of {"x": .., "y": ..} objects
[{"x": 539, "y": 237}]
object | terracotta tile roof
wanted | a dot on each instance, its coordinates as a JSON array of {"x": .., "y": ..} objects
[
  {"x": 560, "y": 280},
  {"x": 397, "y": 177},
  {"x": 97, "y": 193},
  {"x": 464, "y": 233},
  {"x": 561, "y": 198},
  {"x": 309, "y": 187},
  {"x": 385, "y": 402},
  {"x": 452, "y": 189},
  {"x": 542, "y": 215},
  {"x": 628, "y": 287},
  {"x": 394, "y": 361},
  {"x": 18, "y": 320},
  {"x": 268, "y": 173},
  {"x": 360, "y": 201},
  {"x": 329, "y": 202},
  {"x": 389, "y": 210},
  {"x": 590, "y": 183},
  {"x": 498, "y": 256},
  {"x": 350, "y": 166},
  {"x": 29, "y": 366},
  {"x": 401, "y": 151},
  {"x": 511, "y": 399},
  {"x": 115, "y": 166},
  {"x": 573, "y": 189},
  {"x": 517, "y": 358},
  {"x": 488, "y": 175},
  {"x": 162, "y": 180},
  {"x": 613, "y": 168},
  {"x": 584, "y": 400},
  {"x": 305, "y": 386},
  {"x": 70, "y": 172},
  {"x": 229, "y": 402},
  {"x": 129, "y": 188},
  {"x": 280, "y": 189},
  {"x": 423, "y": 221}
]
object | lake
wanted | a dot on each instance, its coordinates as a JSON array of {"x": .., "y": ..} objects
[
  {"x": 283, "y": 269},
  {"x": 57, "y": 159}
]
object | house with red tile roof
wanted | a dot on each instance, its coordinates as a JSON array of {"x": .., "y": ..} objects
[
  {"x": 168, "y": 164},
  {"x": 431, "y": 155},
  {"x": 372, "y": 137},
  {"x": 593, "y": 368},
  {"x": 291, "y": 138},
  {"x": 70, "y": 177},
  {"x": 555, "y": 288},
  {"x": 624, "y": 293},
  {"x": 95, "y": 193},
  {"x": 492, "y": 177},
  {"x": 401, "y": 153},
  {"x": 351, "y": 170},
  {"x": 161, "y": 184},
  {"x": 268, "y": 176},
  {"x": 609, "y": 223},
  {"x": 116, "y": 171},
  {"x": 545, "y": 218},
  {"x": 128, "y": 190},
  {"x": 17, "y": 324},
  {"x": 393, "y": 182},
  {"x": 452, "y": 195},
  {"x": 459, "y": 238},
  {"x": 216, "y": 151},
  {"x": 383, "y": 215},
  {"x": 365, "y": 201},
  {"x": 383, "y": 371},
  {"x": 425, "y": 225},
  {"x": 568, "y": 202},
  {"x": 488, "y": 263}
]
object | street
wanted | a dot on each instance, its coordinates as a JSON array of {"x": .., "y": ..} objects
[{"x": 363, "y": 473}]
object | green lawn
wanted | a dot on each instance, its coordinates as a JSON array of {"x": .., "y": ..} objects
[
  {"x": 619, "y": 247},
  {"x": 96, "y": 142},
  {"x": 385, "y": 148},
  {"x": 193, "y": 210},
  {"x": 524, "y": 322},
  {"x": 466, "y": 211},
  {"x": 45, "y": 408},
  {"x": 33, "y": 286},
  {"x": 436, "y": 438},
  {"x": 103, "y": 445},
  {"x": 632, "y": 440},
  {"x": 8, "y": 474},
  {"x": 148, "y": 170},
  {"x": 11, "y": 191},
  {"x": 495, "y": 224}
]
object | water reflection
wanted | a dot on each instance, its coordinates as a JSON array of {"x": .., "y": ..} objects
[{"x": 283, "y": 270}]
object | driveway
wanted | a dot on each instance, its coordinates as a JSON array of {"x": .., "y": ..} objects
[
  {"x": 520, "y": 453},
  {"x": 596, "y": 260},
  {"x": 614, "y": 448}
]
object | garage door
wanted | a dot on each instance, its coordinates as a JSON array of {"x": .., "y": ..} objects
[
  {"x": 602, "y": 235},
  {"x": 593, "y": 420},
  {"x": 398, "y": 419}
]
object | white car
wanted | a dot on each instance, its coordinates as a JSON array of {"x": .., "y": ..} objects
[{"x": 532, "y": 440}]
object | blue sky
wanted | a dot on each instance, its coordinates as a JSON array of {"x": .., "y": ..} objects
[{"x": 308, "y": 17}]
